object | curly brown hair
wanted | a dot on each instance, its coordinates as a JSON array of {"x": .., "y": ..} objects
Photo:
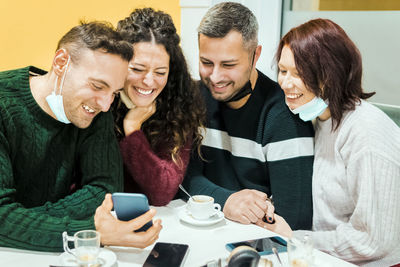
[{"x": 180, "y": 109}]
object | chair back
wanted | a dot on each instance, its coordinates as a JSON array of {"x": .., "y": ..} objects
[{"x": 392, "y": 111}]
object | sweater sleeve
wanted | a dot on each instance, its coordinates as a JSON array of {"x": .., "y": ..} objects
[
  {"x": 157, "y": 177},
  {"x": 373, "y": 230},
  {"x": 26, "y": 228},
  {"x": 289, "y": 151},
  {"x": 100, "y": 171},
  {"x": 198, "y": 184},
  {"x": 40, "y": 227}
]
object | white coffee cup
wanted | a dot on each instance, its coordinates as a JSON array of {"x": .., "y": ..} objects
[
  {"x": 202, "y": 207},
  {"x": 87, "y": 246}
]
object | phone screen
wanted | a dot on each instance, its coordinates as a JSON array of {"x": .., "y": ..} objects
[
  {"x": 263, "y": 245},
  {"x": 166, "y": 254}
]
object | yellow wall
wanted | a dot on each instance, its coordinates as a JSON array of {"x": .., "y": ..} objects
[
  {"x": 359, "y": 5},
  {"x": 30, "y": 30}
]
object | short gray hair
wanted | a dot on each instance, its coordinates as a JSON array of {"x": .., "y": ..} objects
[{"x": 226, "y": 16}]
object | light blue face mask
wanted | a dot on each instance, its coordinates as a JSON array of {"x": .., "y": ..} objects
[
  {"x": 311, "y": 110},
  {"x": 56, "y": 101}
]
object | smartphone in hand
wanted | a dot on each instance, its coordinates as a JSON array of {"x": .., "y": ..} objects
[
  {"x": 128, "y": 206},
  {"x": 167, "y": 254}
]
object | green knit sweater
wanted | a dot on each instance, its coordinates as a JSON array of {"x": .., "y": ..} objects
[{"x": 40, "y": 159}]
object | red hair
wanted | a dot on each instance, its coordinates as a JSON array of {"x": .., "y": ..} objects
[{"x": 329, "y": 64}]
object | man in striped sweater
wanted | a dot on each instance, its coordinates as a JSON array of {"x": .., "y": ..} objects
[{"x": 253, "y": 146}]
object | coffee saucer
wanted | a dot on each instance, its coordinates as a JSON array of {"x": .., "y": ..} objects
[
  {"x": 187, "y": 218},
  {"x": 107, "y": 258}
]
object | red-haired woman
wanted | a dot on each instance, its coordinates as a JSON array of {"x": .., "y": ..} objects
[{"x": 357, "y": 147}]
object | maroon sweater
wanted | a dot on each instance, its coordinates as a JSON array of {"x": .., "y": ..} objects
[{"x": 154, "y": 175}]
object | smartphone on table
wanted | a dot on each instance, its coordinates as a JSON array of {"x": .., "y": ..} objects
[
  {"x": 262, "y": 245},
  {"x": 128, "y": 206},
  {"x": 167, "y": 254}
]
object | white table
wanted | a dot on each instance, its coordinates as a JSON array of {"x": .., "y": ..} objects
[{"x": 205, "y": 243}]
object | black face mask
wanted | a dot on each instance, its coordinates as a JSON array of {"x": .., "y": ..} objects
[{"x": 245, "y": 90}]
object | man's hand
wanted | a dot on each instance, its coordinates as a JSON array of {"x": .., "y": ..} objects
[
  {"x": 136, "y": 117},
  {"x": 280, "y": 226},
  {"x": 248, "y": 206},
  {"x": 120, "y": 233}
]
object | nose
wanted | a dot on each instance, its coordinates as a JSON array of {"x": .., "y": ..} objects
[
  {"x": 216, "y": 75},
  {"x": 287, "y": 82},
  {"x": 105, "y": 101},
  {"x": 148, "y": 79}
]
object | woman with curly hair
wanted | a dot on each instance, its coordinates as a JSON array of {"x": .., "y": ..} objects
[{"x": 159, "y": 111}]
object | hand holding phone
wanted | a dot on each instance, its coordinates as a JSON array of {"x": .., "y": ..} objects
[
  {"x": 167, "y": 254},
  {"x": 128, "y": 206},
  {"x": 120, "y": 233}
]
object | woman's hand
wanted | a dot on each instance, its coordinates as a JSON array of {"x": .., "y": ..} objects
[
  {"x": 248, "y": 206},
  {"x": 121, "y": 233},
  {"x": 280, "y": 226},
  {"x": 137, "y": 116}
]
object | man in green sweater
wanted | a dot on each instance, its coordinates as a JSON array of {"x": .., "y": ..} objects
[
  {"x": 253, "y": 146},
  {"x": 58, "y": 153}
]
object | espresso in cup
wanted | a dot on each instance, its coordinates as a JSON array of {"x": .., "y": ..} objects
[
  {"x": 202, "y": 207},
  {"x": 200, "y": 200}
]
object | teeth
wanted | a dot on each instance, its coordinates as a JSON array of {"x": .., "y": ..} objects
[
  {"x": 293, "y": 96},
  {"x": 220, "y": 86},
  {"x": 144, "y": 92},
  {"x": 88, "y": 109}
]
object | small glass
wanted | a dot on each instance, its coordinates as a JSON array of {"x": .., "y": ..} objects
[
  {"x": 300, "y": 252},
  {"x": 87, "y": 246}
]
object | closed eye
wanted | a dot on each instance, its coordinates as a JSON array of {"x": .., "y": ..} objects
[
  {"x": 282, "y": 71},
  {"x": 206, "y": 63},
  {"x": 135, "y": 69},
  {"x": 229, "y": 65},
  {"x": 97, "y": 87}
]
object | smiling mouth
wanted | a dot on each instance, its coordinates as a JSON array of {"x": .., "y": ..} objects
[
  {"x": 220, "y": 87},
  {"x": 88, "y": 109},
  {"x": 293, "y": 96},
  {"x": 144, "y": 91}
]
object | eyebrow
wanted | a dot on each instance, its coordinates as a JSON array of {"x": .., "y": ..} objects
[
  {"x": 100, "y": 81},
  {"x": 224, "y": 61},
  {"x": 144, "y": 66}
]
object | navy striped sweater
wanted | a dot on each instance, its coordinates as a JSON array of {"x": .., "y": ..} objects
[{"x": 261, "y": 146}]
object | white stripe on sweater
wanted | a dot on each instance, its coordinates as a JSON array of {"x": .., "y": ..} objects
[{"x": 241, "y": 147}]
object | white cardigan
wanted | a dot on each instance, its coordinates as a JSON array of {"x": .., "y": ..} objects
[{"x": 356, "y": 188}]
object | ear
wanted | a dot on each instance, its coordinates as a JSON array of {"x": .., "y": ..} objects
[
  {"x": 257, "y": 54},
  {"x": 60, "y": 61}
]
